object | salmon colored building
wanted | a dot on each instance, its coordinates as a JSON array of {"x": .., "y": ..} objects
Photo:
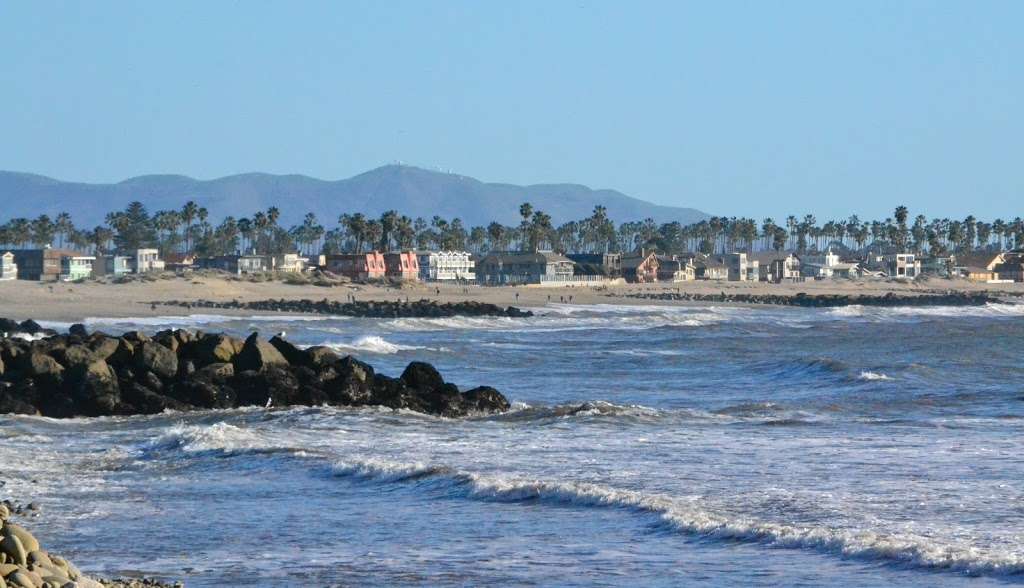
[
  {"x": 404, "y": 265},
  {"x": 358, "y": 266}
]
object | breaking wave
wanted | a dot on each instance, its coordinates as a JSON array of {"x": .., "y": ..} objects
[
  {"x": 689, "y": 516},
  {"x": 886, "y": 314},
  {"x": 376, "y": 344},
  {"x": 869, "y": 376}
]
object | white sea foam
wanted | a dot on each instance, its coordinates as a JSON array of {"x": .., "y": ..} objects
[
  {"x": 28, "y": 336},
  {"x": 690, "y": 515},
  {"x": 217, "y": 437},
  {"x": 873, "y": 376},
  {"x": 886, "y": 314},
  {"x": 377, "y": 344}
]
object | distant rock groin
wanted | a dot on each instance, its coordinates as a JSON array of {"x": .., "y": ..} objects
[
  {"x": 368, "y": 309},
  {"x": 829, "y": 300},
  {"x": 83, "y": 374}
]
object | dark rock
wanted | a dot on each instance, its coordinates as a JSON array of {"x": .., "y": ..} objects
[
  {"x": 291, "y": 353},
  {"x": 216, "y": 349},
  {"x": 273, "y": 383},
  {"x": 147, "y": 401},
  {"x": 257, "y": 355},
  {"x": 95, "y": 374},
  {"x": 160, "y": 360},
  {"x": 79, "y": 330},
  {"x": 353, "y": 384},
  {"x": 422, "y": 376},
  {"x": 484, "y": 399},
  {"x": 204, "y": 394},
  {"x": 320, "y": 357},
  {"x": 31, "y": 327},
  {"x": 216, "y": 373},
  {"x": 95, "y": 388}
]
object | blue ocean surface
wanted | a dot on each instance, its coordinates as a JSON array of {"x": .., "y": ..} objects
[{"x": 647, "y": 446}]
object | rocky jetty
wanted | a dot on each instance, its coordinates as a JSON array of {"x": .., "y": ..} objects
[
  {"x": 367, "y": 309},
  {"x": 829, "y": 300},
  {"x": 94, "y": 374},
  {"x": 25, "y": 564}
]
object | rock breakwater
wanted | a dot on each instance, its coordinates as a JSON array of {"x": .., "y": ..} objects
[
  {"x": 366, "y": 309},
  {"x": 829, "y": 300},
  {"x": 94, "y": 374}
]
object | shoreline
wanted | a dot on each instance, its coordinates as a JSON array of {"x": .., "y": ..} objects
[
  {"x": 71, "y": 302},
  {"x": 27, "y": 563}
]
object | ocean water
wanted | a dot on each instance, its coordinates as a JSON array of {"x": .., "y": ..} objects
[{"x": 648, "y": 446}]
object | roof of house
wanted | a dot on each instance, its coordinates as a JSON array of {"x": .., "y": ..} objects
[
  {"x": 528, "y": 257},
  {"x": 766, "y": 257},
  {"x": 634, "y": 261},
  {"x": 986, "y": 261},
  {"x": 711, "y": 263}
]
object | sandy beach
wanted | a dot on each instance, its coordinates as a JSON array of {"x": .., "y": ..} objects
[{"x": 70, "y": 301}]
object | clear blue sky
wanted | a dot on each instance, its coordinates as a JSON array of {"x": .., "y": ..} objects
[{"x": 738, "y": 108}]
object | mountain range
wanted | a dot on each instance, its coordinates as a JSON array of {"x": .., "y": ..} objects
[{"x": 411, "y": 191}]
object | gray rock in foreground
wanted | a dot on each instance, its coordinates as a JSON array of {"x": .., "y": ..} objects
[{"x": 25, "y": 564}]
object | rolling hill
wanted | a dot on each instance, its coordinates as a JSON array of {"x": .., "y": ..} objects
[{"x": 410, "y": 190}]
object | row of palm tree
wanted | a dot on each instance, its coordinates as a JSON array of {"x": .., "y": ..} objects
[{"x": 189, "y": 230}]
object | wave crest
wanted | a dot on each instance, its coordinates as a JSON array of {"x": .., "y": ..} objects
[{"x": 688, "y": 516}]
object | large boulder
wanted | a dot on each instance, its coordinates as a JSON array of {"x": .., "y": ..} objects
[
  {"x": 258, "y": 355},
  {"x": 291, "y": 353},
  {"x": 274, "y": 384},
  {"x": 320, "y": 357},
  {"x": 103, "y": 346},
  {"x": 484, "y": 399},
  {"x": 353, "y": 384},
  {"x": 95, "y": 388},
  {"x": 215, "y": 349},
  {"x": 38, "y": 364},
  {"x": 157, "y": 358},
  {"x": 216, "y": 373},
  {"x": 204, "y": 394},
  {"x": 420, "y": 375},
  {"x": 146, "y": 401},
  {"x": 74, "y": 355}
]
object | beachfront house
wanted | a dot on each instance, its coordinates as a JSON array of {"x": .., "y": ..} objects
[
  {"x": 1012, "y": 267},
  {"x": 608, "y": 265},
  {"x": 179, "y": 262},
  {"x": 640, "y": 268},
  {"x": 8, "y": 269},
  {"x": 901, "y": 265},
  {"x": 978, "y": 267},
  {"x": 292, "y": 263},
  {"x": 541, "y": 267},
  {"x": 742, "y": 268},
  {"x": 826, "y": 266},
  {"x": 112, "y": 265},
  {"x": 237, "y": 264},
  {"x": 76, "y": 267},
  {"x": 710, "y": 268},
  {"x": 146, "y": 260},
  {"x": 940, "y": 266},
  {"x": 357, "y": 266},
  {"x": 40, "y": 264},
  {"x": 777, "y": 266},
  {"x": 676, "y": 269},
  {"x": 403, "y": 265},
  {"x": 446, "y": 266}
]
